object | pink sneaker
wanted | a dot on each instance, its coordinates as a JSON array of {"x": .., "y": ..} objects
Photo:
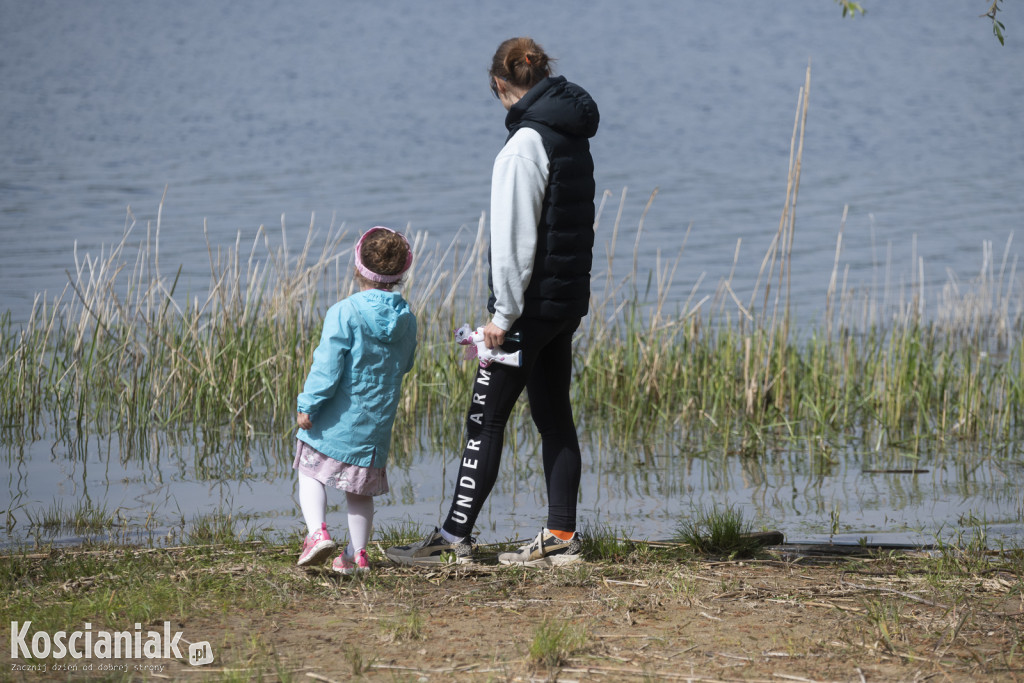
[
  {"x": 349, "y": 565},
  {"x": 317, "y": 547}
]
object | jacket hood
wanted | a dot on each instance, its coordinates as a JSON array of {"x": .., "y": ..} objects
[
  {"x": 386, "y": 315},
  {"x": 558, "y": 104}
]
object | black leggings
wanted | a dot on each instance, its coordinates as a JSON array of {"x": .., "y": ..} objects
[{"x": 545, "y": 373}]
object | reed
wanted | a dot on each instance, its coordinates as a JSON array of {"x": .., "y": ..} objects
[
  {"x": 125, "y": 351},
  {"x": 131, "y": 349}
]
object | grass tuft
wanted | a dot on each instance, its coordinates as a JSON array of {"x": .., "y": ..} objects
[
  {"x": 407, "y": 627},
  {"x": 718, "y": 531},
  {"x": 83, "y": 518},
  {"x": 605, "y": 543},
  {"x": 554, "y": 642}
]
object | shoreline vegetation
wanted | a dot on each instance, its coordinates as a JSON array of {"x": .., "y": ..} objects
[
  {"x": 634, "y": 611},
  {"x": 123, "y": 351},
  {"x": 124, "y": 355}
]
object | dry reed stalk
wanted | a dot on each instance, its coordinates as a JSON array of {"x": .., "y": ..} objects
[
  {"x": 636, "y": 241},
  {"x": 831, "y": 291},
  {"x": 784, "y": 240}
]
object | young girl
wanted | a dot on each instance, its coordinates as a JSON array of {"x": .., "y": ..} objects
[{"x": 347, "y": 407}]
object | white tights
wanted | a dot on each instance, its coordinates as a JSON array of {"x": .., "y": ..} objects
[{"x": 313, "y": 502}]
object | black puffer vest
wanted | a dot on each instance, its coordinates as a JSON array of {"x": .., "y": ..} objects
[{"x": 566, "y": 117}]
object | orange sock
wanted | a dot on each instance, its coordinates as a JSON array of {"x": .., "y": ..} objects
[{"x": 562, "y": 535}]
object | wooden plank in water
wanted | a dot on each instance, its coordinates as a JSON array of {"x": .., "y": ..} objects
[{"x": 761, "y": 538}]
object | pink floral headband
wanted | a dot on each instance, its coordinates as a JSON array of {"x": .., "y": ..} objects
[{"x": 377, "y": 277}]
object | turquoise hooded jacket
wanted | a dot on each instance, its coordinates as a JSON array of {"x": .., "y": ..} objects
[{"x": 353, "y": 387}]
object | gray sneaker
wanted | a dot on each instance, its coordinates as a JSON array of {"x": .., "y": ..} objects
[
  {"x": 432, "y": 550},
  {"x": 547, "y": 550}
]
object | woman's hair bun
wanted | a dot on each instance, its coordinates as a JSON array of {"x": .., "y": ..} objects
[{"x": 521, "y": 62}]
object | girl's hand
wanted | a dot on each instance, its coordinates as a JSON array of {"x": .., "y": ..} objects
[
  {"x": 494, "y": 336},
  {"x": 304, "y": 421}
]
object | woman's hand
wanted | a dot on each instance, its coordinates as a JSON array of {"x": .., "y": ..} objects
[
  {"x": 494, "y": 336},
  {"x": 304, "y": 421}
]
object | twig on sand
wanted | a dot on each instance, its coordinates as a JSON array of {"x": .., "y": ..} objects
[{"x": 880, "y": 589}]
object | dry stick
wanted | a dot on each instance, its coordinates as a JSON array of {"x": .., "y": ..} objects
[
  {"x": 647, "y": 674},
  {"x": 396, "y": 667},
  {"x": 879, "y": 589},
  {"x": 318, "y": 677}
]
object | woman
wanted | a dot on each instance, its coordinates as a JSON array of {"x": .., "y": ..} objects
[{"x": 541, "y": 250}]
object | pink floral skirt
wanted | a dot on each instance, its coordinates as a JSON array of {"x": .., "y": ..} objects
[{"x": 365, "y": 481}]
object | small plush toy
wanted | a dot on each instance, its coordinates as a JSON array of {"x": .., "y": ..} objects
[{"x": 473, "y": 340}]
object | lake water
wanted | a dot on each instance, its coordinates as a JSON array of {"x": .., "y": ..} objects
[{"x": 379, "y": 113}]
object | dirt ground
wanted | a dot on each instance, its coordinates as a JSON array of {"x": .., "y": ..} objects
[{"x": 774, "y": 619}]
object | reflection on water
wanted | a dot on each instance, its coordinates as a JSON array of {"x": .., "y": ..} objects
[{"x": 155, "y": 486}]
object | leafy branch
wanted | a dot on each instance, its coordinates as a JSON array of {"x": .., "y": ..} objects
[
  {"x": 852, "y": 9},
  {"x": 997, "y": 26}
]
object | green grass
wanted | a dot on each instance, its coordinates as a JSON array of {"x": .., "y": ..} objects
[
  {"x": 84, "y": 518},
  {"x": 718, "y": 531},
  {"x": 219, "y": 582},
  {"x": 555, "y": 641},
  {"x": 389, "y": 535},
  {"x": 408, "y": 626},
  {"x": 601, "y": 542},
  {"x": 125, "y": 352}
]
